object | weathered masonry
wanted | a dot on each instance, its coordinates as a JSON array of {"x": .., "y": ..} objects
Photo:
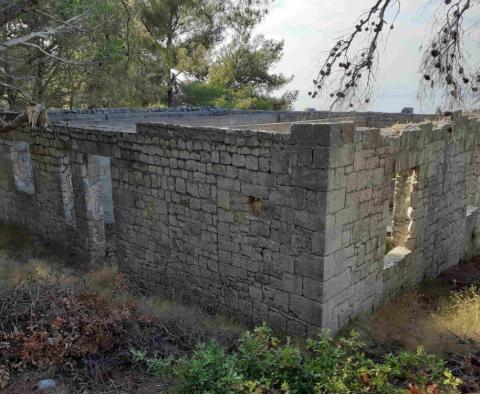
[{"x": 303, "y": 227}]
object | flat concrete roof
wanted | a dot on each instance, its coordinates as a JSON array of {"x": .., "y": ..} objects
[{"x": 125, "y": 120}]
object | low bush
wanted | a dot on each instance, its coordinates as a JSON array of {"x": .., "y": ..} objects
[
  {"x": 209, "y": 370},
  {"x": 82, "y": 327},
  {"x": 263, "y": 364},
  {"x": 51, "y": 327}
]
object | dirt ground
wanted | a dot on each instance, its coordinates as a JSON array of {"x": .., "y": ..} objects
[{"x": 442, "y": 315}]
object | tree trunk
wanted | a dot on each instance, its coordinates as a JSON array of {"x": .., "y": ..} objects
[
  {"x": 39, "y": 86},
  {"x": 12, "y": 98},
  {"x": 171, "y": 89},
  {"x": 170, "y": 63}
]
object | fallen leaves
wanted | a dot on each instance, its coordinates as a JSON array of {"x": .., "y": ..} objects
[
  {"x": 430, "y": 389},
  {"x": 63, "y": 325}
]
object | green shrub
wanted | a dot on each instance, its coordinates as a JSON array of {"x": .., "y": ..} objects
[
  {"x": 267, "y": 363},
  {"x": 263, "y": 364},
  {"x": 209, "y": 371},
  {"x": 342, "y": 367},
  {"x": 422, "y": 370},
  {"x": 160, "y": 367}
]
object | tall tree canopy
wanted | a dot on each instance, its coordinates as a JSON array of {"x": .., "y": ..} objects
[
  {"x": 347, "y": 73},
  {"x": 241, "y": 77},
  {"x": 45, "y": 49},
  {"x": 111, "y": 53}
]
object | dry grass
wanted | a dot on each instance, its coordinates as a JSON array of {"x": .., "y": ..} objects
[
  {"x": 437, "y": 316},
  {"x": 442, "y": 315},
  {"x": 460, "y": 314},
  {"x": 32, "y": 279}
]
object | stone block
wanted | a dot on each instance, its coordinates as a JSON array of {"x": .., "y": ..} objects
[
  {"x": 280, "y": 161},
  {"x": 238, "y": 160},
  {"x": 313, "y": 289},
  {"x": 223, "y": 199},
  {"x": 324, "y": 134},
  {"x": 309, "y": 220},
  {"x": 296, "y": 328},
  {"x": 252, "y": 163},
  {"x": 306, "y": 310},
  {"x": 336, "y": 200},
  {"x": 309, "y": 266},
  {"x": 311, "y": 179},
  {"x": 321, "y": 157},
  {"x": 292, "y": 283}
]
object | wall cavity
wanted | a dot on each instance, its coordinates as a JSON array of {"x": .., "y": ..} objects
[
  {"x": 22, "y": 167},
  {"x": 100, "y": 172},
  {"x": 66, "y": 185},
  {"x": 404, "y": 215}
]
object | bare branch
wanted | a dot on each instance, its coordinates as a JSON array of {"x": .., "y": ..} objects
[
  {"x": 444, "y": 64},
  {"x": 34, "y": 115},
  {"x": 15, "y": 88},
  {"x": 348, "y": 73},
  {"x": 65, "y": 23},
  {"x": 15, "y": 124},
  {"x": 345, "y": 67},
  {"x": 129, "y": 18},
  {"x": 39, "y": 34},
  {"x": 57, "y": 58}
]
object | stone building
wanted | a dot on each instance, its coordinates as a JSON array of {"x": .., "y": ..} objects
[{"x": 303, "y": 220}]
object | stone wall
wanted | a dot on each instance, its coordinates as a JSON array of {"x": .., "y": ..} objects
[
  {"x": 126, "y": 120},
  {"x": 286, "y": 228},
  {"x": 432, "y": 164}
]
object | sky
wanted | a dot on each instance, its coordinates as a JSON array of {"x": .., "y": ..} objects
[{"x": 311, "y": 27}]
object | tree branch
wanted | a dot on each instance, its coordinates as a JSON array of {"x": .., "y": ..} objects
[
  {"x": 57, "y": 58},
  {"x": 353, "y": 65},
  {"x": 11, "y": 87},
  {"x": 348, "y": 73},
  {"x": 444, "y": 64},
  {"x": 15, "y": 124},
  {"x": 38, "y": 34},
  {"x": 35, "y": 115},
  {"x": 65, "y": 23}
]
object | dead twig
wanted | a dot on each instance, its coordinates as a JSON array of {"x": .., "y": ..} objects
[{"x": 35, "y": 115}]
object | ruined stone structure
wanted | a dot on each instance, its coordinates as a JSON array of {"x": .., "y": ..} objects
[{"x": 282, "y": 222}]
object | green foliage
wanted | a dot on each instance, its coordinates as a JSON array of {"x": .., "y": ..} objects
[
  {"x": 204, "y": 93},
  {"x": 348, "y": 369},
  {"x": 269, "y": 364},
  {"x": 421, "y": 369},
  {"x": 218, "y": 95},
  {"x": 247, "y": 61},
  {"x": 112, "y": 50},
  {"x": 264, "y": 364},
  {"x": 160, "y": 367},
  {"x": 133, "y": 53},
  {"x": 243, "y": 69},
  {"x": 209, "y": 371}
]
